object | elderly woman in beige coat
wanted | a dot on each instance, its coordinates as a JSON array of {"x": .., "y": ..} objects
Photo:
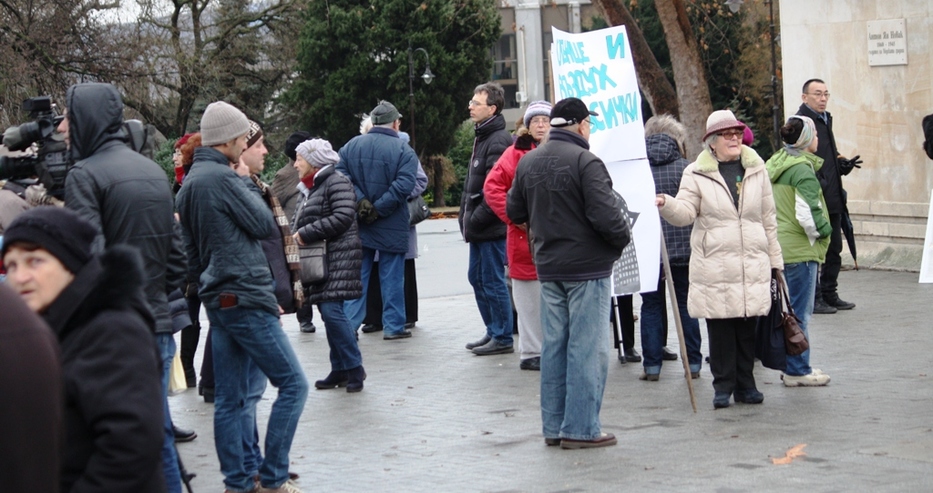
[{"x": 726, "y": 195}]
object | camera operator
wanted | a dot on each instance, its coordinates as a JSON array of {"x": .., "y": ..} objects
[{"x": 126, "y": 197}]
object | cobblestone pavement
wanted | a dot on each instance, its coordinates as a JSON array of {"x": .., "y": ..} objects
[{"x": 434, "y": 417}]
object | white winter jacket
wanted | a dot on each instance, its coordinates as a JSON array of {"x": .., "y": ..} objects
[{"x": 734, "y": 249}]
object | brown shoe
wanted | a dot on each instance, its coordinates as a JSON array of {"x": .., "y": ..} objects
[
  {"x": 551, "y": 442},
  {"x": 604, "y": 440}
]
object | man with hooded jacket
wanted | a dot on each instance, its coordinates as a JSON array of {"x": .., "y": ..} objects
[{"x": 126, "y": 197}]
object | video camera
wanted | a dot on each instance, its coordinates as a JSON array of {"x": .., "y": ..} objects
[{"x": 52, "y": 161}]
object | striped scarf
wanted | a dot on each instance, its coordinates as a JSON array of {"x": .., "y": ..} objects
[{"x": 291, "y": 248}]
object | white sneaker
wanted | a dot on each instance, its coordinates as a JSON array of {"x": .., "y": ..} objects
[
  {"x": 812, "y": 380},
  {"x": 287, "y": 487}
]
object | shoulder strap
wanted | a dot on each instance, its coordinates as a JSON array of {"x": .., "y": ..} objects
[{"x": 785, "y": 294}]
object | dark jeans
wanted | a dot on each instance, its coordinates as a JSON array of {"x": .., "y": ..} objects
[
  {"x": 305, "y": 313},
  {"x": 829, "y": 271},
  {"x": 627, "y": 318},
  {"x": 374, "y": 296},
  {"x": 732, "y": 353},
  {"x": 344, "y": 349},
  {"x": 207, "y": 364},
  {"x": 189, "y": 339},
  {"x": 654, "y": 323}
]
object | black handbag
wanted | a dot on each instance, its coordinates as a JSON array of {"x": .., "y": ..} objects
[
  {"x": 417, "y": 210},
  {"x": 769, "y": 334},
  {"x": 313, "y": 259}
]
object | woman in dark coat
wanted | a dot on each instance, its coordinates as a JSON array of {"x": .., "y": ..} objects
[
  {"x": 327, "y": 211},
  {"x": 113, "y": 397}
]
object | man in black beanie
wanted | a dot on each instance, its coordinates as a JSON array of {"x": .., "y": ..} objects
[
  {"x": 285, "y": 189},
  {"x": 94, "y": 305}
]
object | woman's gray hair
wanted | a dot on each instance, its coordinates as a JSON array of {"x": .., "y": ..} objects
[
  {"x": 366, "y": 124},
  {"x": 666, "y": 124}
]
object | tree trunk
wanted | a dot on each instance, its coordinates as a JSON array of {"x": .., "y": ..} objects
[
  {"x": 654, "y": 85},
  {"x": 689, "y": 75}
]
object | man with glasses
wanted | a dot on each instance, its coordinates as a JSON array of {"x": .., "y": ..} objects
[
  {"x": 563, "y": 193},
  {"x": 815, "y": 97},
  {"x": 482, "y": 228}
]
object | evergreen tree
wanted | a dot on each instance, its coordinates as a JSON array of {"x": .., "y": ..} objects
[{"x": 354, "y": 53}]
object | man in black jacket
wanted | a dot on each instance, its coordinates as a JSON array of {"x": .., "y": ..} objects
[
  {"x": 480, "y": 226},
  {"x": 815, "y": 97},
  {"x": 126, "y": 197},
  {"x": 564, "y": 194}
]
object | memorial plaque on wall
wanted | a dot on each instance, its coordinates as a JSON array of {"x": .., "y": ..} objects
[{"x": 887, "y": 42}]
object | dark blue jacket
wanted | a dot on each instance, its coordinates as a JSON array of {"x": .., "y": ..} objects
[
  {"x": 667, "y": 168},
  {"x": 382, "y": 169},
  {"x": 224, "y": 218}
]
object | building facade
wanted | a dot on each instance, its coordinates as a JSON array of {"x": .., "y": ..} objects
[
  {"x": 520, "y": 57},
  {"x": 876, "y": 57}
]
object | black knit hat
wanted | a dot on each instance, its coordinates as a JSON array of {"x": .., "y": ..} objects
[
  {"x": 292, "y": 143},
  {"x": 62, "y": 232}
]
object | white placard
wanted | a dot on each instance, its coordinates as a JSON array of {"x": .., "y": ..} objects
[
  {"x": 887, "y": 42},
  {"x": 597, "y": 67},
  {"x": 926, "y": 263}
]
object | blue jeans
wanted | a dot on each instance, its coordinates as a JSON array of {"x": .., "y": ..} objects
[
  {"x": 392, "y": 282},
  {"x": 487, "y": 276},
  {"x": 256, "y": 386},
  {"x": 801, "y": 286},
  {"x": 574, "y": 357},
  {"x": 341, "y": 337},
  {"x": 166, "y": 344},
  {"x": 653, "y": 308},
  {"x": 244, "y": 339}
]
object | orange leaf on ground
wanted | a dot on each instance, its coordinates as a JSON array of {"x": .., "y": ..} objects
[{"x": 790, "y": 455}]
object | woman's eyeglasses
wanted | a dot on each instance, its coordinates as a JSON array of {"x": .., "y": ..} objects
[{"x": 731, "y": 134}]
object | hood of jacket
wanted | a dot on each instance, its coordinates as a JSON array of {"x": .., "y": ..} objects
[
  {"x": 112, "y": 280},
  {"x": 707, "y": 163},
  {"x": 662, "y": 149},
  {"x": 95, "y": 117},
  {"x": 782, "y": 160}
]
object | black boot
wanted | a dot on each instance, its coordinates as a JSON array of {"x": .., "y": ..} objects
[
  {"x": 821, "y": 307},
  {"x": 334, "y": 379},
  {"x": 356, "y": 377}
]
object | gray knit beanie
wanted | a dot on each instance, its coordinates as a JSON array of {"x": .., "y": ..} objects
[
  {"x": 317, "y": 152},
  {"x": 221, "y": 123}
]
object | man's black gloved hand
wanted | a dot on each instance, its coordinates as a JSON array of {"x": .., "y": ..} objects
[
  {"x": 846, "y": 165},
  {"x": 366, "y": 211}
]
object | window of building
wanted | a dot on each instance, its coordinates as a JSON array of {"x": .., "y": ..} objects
[
  {"x": 505, "y": 58},
  {"x": 552, "y": 16}
]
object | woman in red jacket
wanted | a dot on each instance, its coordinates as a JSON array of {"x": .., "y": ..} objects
[{"x": 526, "y": 290}]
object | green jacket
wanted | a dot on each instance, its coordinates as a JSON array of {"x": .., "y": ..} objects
[{"x": 803, "y": 221}]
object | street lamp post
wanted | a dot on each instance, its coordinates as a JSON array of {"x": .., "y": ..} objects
[
  {"x": 427, "y": 77},
  {"x": 734, "y": 6}
]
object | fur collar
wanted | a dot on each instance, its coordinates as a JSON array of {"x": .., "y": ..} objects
[
  {"x": 525, "y": 142},
  {"x": 113, "y": 281},
  {"x": 706, "y": 163}
]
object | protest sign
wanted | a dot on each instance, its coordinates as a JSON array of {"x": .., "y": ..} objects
[{"x": 597, "y": 67}]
